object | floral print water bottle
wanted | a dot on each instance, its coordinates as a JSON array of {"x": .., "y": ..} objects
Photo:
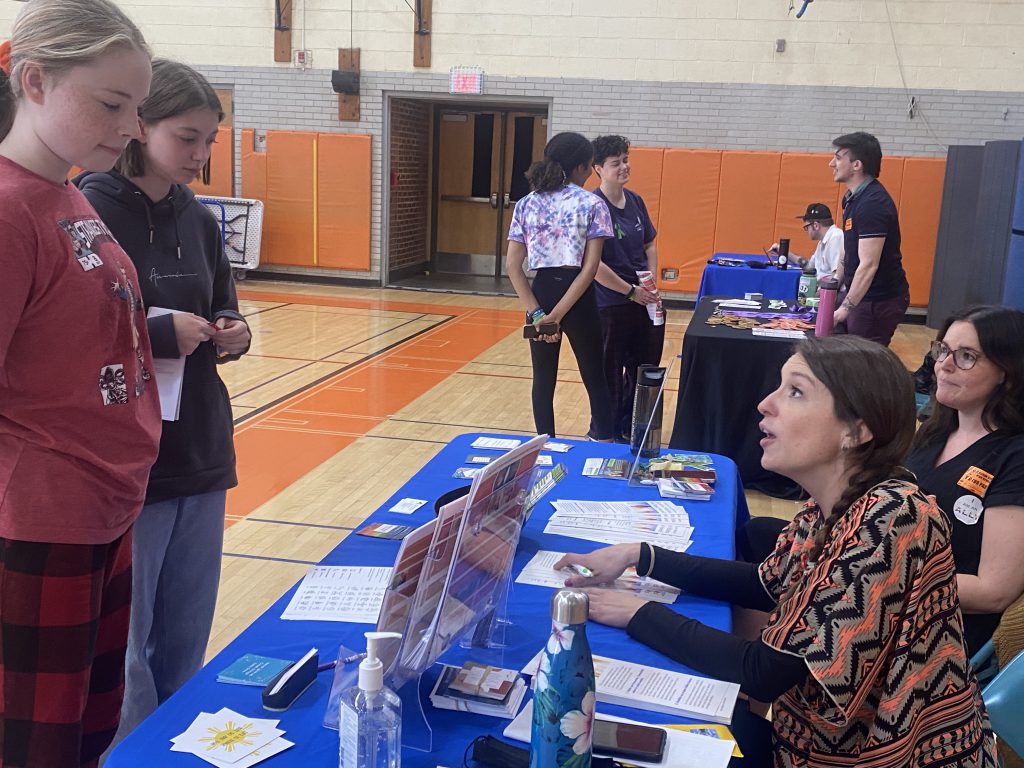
[{"x": 563, "y": 699}]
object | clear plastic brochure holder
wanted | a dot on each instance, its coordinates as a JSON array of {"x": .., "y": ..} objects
[
  {"x": 637, "y": 476},
  {"x": 451, "y": 582}
]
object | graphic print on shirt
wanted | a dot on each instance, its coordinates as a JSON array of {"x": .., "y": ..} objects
[
  {"x": 124, "y": 289},
  {"x": 112, "y": 386},
  {"x": 86, "y": 236}
]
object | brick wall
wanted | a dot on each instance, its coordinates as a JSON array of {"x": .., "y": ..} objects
[
  {"x": 659, "y": 114},
  {"x": 409, "y": 197}
]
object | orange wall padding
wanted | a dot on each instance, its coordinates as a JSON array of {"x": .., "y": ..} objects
[
  {"x": 344, "y": 187},
  {"x": 288, "y": 236},
  {"x": 803, "y": 179},
  {"x": 222, "y": 167},
  {"x": 920, "y": 203},
  {"x": 892, "y": 178},
  {"x": 747, "y": 197},
  {"x": 645, "y": 178},
  {"x": 689, "y": 200}
]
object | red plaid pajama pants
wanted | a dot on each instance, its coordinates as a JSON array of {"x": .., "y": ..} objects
[{"x": 64, "y": 611}]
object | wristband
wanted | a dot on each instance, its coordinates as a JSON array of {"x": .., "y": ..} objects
[
  {"x": 534, "y": 317},
  {"x": 848, "y": 304},
  {"x": 631, "y": 293}
]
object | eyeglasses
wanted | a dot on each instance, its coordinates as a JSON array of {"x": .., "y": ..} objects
[
  {"x": 807, "y": 225},
  {"x": 963, "y": 358}
]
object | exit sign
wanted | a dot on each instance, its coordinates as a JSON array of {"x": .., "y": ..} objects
[{"x": 466, "y": 80}]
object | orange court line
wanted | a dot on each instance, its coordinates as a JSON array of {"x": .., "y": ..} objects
[{"x": 337, "y": 411}]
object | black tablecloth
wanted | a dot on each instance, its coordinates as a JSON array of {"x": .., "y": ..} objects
[{"x": 725, "y": 373}]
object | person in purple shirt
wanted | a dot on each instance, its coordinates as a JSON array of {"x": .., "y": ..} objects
[{"x": 630, "y": 338}]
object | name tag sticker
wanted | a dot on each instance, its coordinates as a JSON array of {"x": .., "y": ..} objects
[
  {"x": 968, "y": 509},
  {"x": 975, "y": 480}
]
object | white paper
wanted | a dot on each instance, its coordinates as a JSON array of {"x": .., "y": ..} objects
[
  {"x": 495, "y": 444},
  {"x": 200, "y": 738},
  {"x": 541, "y": 572},
  {"x": 779, "y": 333},
  {"x": 169, "y": 373},
  {"x": 545, "y": 461},
  {"x": 682, "y": 749},
  {"x": 407, "y": 506},
  {"x": 253, "y": 758},
  {"x": 339, "y": 593},
  {"x": 557, "y": 447},
  {"x": 658, "y": 690},
  {"x": 660, "y": 523}
]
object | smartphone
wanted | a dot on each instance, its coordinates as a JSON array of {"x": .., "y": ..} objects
[
  {"x": 533, "y": 331},
  {"x": 643, "y": 742}
]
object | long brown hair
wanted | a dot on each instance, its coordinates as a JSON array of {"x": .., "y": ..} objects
[
  {"x": 868, "y": 384},
  {"x": 1001, "y": 338},
  {"x": 59, "y": 35},
  {"x": 176, "y": 89}
]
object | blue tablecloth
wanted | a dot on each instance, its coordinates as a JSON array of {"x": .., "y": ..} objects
[
  {"x": 772, "y": 283},
  {"x": 714, "y": 523}
]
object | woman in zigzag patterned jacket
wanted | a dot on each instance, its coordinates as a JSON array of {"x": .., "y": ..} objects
[{"x": 863, "y": 656}]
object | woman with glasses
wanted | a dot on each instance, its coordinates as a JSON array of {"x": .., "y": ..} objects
[{"x": 969, "y": 454}]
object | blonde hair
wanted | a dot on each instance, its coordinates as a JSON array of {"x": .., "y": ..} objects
[
  {"x": 59, "y": 35},
  {"x": 176, "y": 89}
]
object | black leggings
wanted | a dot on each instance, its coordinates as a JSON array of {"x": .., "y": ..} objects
[{"x": 582, "y": 326}]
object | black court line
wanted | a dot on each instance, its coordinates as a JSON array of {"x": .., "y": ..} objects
[
  {"x": 274, "y": 559},
  {"x": 371, "y": 338},
  {"x": 408, "y": 439},
  {"x": 304, "y": 525},
  {"x": 265, "y": 309},
  {"x": 322, "y": 379},
  {"x": 474, "y": 427},
  {"x": 277, "y": 378}
]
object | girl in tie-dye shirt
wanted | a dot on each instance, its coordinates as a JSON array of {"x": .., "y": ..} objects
[{"x": 558, "y": 230}]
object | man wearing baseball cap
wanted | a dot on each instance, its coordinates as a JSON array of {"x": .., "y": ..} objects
[{"x": 820, "y": 227}]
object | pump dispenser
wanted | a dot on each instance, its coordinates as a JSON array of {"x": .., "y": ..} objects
[{"x": 370, "y": 723}]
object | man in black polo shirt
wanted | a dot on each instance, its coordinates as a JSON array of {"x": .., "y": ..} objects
[
  {"x": 872, "y": 269},
  {"x": 630, "y": 338}
]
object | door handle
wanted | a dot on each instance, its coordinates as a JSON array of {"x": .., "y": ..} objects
[
  {"x": 494, "y": 200},
  {"x": 508, "y": 199}
]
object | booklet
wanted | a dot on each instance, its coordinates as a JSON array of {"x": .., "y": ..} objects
[{"x": 251, "y": 669}]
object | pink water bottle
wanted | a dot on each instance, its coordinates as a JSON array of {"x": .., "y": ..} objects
[{"x": 827, "y": 290}]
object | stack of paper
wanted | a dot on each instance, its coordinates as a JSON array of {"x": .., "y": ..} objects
[
  {"x": 541, "y": 572},
  {"x": 660, "y": 523},
  {"x": 692, "y": 490},
  {"x": 231, "y": 740},
  {"x": 496, "y": 693}
]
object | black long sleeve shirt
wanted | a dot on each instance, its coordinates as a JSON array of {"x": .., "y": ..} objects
[{"x": 762, "y": 672}]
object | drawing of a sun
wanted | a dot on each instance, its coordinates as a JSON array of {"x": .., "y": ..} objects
[{"x": 230, "y": 737}]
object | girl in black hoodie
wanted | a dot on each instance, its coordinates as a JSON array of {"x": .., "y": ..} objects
[{"x": 176, "y": 246}]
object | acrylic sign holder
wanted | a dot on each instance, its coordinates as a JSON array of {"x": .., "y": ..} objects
[{"x": 462, "y": 585}]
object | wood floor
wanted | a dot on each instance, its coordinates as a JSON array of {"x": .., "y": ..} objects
[{"x": 347, "y": 392}]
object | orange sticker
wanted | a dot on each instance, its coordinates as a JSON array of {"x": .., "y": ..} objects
[
  {"x": 848, "y": 224},
  {"x": 975, "y": 480}
]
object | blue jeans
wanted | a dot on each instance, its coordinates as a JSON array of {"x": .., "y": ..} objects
[{"x": 176, "y": 550}]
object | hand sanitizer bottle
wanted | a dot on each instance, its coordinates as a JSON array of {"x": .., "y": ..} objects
[{"x": 370, "y": 723}]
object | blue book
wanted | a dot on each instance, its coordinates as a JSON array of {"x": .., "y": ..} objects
[{"x": 252, "y": 670}]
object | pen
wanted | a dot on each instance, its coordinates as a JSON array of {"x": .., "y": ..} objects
[{"x": 345, "y": 660}]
